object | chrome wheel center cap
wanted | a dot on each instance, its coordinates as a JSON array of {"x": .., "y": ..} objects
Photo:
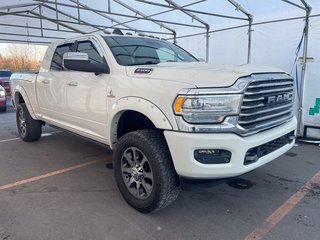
[{"x": 137, "y": 172}]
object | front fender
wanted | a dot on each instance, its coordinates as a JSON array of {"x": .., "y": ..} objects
[{"x": 140, "y": 105}]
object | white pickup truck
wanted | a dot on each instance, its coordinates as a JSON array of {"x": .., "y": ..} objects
[{"x": 164, "y": 113}]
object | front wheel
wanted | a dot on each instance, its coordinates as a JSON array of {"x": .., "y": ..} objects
[
  {"x": 144, "y": 171},
  {"x": 29, "y": 129}
]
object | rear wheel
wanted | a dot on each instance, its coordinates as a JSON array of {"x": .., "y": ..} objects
[
  {"x": 29, "y": 129},
  {"x": 144, "y": 171}
]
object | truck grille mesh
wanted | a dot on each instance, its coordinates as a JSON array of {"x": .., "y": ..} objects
[{"x": 267, "y": 103}]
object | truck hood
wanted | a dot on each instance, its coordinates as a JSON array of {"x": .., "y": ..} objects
[{"x": 197, "y": 73}]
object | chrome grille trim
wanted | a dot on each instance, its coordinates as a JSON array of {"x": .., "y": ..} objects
[
  {"x": 257, "y": 111},
  {"x": 265, "y": 110}
]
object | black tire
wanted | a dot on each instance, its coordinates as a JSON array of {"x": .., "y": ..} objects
[
  {"x": 3, "y": 109},
  {"x": 164, "y": 188},
  {"x": 29, "y": 129}
]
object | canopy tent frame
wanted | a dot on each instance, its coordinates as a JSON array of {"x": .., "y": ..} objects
[{"x": 69, "y": 23}]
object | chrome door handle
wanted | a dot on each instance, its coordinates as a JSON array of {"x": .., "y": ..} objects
[
  {"x": 72, "y": 84},
  {"x": 46, "y": 81}
]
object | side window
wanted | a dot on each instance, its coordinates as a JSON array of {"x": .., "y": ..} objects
[
  {"x": 56, "y": 64},
  {"x": 93, "y": 54}
]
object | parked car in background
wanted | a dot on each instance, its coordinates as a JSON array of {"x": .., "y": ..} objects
[
  {"x": 3, "y": 102},
  {"x": 5, "y": 80}
]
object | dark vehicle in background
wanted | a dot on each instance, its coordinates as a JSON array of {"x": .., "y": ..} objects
[
  {"x": 3, "y": 102},
  {"x": 5, "y": 80}
]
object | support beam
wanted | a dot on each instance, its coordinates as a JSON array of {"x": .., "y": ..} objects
[
  {"x": 192, "y": 11},
  {"x": 207, "y": 26},
  {"x": 293, "y": 4},
  {"x": 159, "y": 13},
  {"x": 104, "y": 16},
  {"x": 12, "y": 13},
  {"x": 41, "y": 25},
  {"x": 23, "y": 41},
  {"x": 250, "y": 19},
  {"x": 14, "y": 6},
  {"x": 35, "y": 28},
  {"x": 147, "y": 18},
  {"x": 56, "y": 22},
  {"x": 57, "y": 15},
  {"x": 74, "y": 18},
  {"x": 308, "y": 10},
  {"x": 29, "y": 35},
  {"x": 80, "y": 24},
  {"x": 135, "y": 18},
  {"x": 245, "y": 25}
]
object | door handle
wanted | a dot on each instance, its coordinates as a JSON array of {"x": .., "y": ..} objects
[
  {"x": 45, "y": 81},
  {"x": 72, "y": 84}
]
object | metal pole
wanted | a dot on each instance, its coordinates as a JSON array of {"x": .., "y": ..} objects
[
  {"x": 190, "y": 10},
  {"x": 72, "y": 17},
  {"x": 207, "y": 45},
  {"x": 249, "y": 39},
  {"x": 145, "y": 16},
  {"x": 250, "y": 19},
  {"x": 304, "y": 67},
  {"x": 78, "y": 8},
  {"x": 41, "y": 25},
  {"x": 207, "y": 26},
  {"x": 57, "y": 17},
  {"x": 159, "y": 13},
  {"x": 76, "y": 23},
  {"x": 57, "y": 22},
  {"x": 109, "y": 6}
]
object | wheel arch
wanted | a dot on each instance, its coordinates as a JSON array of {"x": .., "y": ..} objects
[
  {"x": 20, "y": 96},
  {"x": 138, "y": 110}
]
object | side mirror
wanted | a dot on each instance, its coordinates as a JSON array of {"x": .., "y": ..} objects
[{"x": 80, "y": 62}]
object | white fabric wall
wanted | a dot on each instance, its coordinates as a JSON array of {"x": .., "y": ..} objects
[
  {"x": 274, "y": 45},
  {"x": 312, "y": 82}
]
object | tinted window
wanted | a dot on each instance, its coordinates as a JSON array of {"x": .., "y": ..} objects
[
  {"x": 56, "y": 64},
  {"x": 166, "y": 54},
  {"x": 5, "y": 73},
  {"x": 89, "y": 48},
  {"x": 137, "y": 51}
]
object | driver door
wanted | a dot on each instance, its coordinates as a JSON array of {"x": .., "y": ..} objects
[{"x": 86, "y": 102}]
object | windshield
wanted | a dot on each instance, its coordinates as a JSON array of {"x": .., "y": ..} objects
[
  {"x": 130, "y": 51},
  {"x": 5, "y": 73}
]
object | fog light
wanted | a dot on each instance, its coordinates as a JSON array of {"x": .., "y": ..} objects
[{"x": 212, "y": 156}]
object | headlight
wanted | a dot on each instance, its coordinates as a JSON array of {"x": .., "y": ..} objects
[{"x": 207, "y": 108}]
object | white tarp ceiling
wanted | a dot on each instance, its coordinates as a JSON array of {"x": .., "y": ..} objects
[{"x": 27, "y": 15}]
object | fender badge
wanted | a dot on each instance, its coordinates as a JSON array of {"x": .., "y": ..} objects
[{"x": 143, "y": 70}]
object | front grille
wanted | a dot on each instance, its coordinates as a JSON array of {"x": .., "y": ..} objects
[
  {"x": 253, "y": 154},
  {"x": 267, "y": 103}
]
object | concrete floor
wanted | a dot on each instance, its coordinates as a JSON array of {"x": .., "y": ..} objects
[{"x": 85, "y": 203}]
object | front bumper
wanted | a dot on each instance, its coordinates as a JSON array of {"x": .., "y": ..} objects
[{"x": 182, "y": 146}]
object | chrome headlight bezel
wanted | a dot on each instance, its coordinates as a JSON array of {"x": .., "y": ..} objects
[{"x": 207, "y": 109}]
